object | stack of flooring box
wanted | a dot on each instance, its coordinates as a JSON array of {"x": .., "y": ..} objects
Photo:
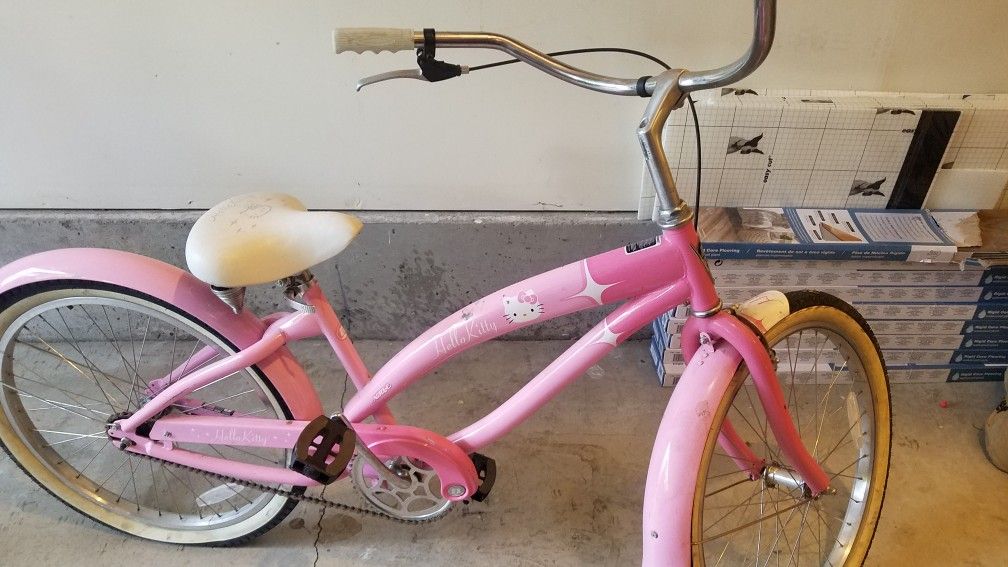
[
  {"x": 838, "y": 149},
  {"x": 934, "y": 322},
  {"x": 942, "y": 319}
]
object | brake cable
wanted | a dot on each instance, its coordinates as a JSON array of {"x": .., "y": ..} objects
[{"x": 648, "y": 56}]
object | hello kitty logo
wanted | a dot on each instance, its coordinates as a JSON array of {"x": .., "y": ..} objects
[{"x": 523, "y": 307}]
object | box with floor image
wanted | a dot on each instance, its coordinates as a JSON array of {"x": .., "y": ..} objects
[{"x": 795, "y": 233}]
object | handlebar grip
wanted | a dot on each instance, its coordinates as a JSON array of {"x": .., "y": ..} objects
[{"x": 377, "y": 40}]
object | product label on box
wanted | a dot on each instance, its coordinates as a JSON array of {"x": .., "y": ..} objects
[
  {"x": 951, "y": 311},
  {"x": 855, "y": 234}
]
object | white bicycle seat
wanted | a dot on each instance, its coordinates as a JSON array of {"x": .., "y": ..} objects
[{"x": 262, "y": 237}]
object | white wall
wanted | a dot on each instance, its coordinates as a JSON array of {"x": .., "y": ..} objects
[{"x": 180, "y": 104}]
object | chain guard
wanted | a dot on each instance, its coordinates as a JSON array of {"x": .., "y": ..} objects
[{"x": 300, "y": 497}]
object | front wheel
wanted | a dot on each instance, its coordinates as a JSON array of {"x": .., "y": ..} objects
[{"x": 837, "y": 392}]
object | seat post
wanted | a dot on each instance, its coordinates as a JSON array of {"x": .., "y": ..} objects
[{"x": 339, "y": 339}]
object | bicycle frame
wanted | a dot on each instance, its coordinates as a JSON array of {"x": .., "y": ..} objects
[{"x": 651, "y": 276}]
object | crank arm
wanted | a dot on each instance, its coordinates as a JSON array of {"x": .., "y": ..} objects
[{"x": 381, "y": 468}]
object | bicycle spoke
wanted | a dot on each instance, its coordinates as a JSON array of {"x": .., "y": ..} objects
[
  {"x": 171, "y": 365},
  {"x": 94, "y": 323},
  {"x": 129, "y": 331},
  {"x": 75, "y": 366},
  {"x": 801, "y": 529},
  {"x": 214, "y": 402},
  {"x": 746, "y": 420},
  {"x": 157, "y": 498},
  {"x": 164, "y": 475},
  {"x": 764, "y": 437},
  {"x": 186, "y": 365},
  {"x": 856, "y": 461},
  {"x": 722, "y": 489},
  {"x": 780, "y": 527},
  {"x": 53, "y": 404},
  {"x": 74, "y": 396},
  {"x": 214, "y": 486},
  {"x": 819, "y": 526},
  {"x": 138, "y": 358},
  {"x": 843, "y": 437},
  {"x": 76, "y": 437},
  {"x": 79, "y": 450},
  {"x": 775, "y": 514},
  {"x": 759, "y": 529},
  {"x": 126, "y": 485},
  {"x": 130, "y": 370},
  {"x": 815, "y": 446},
  {"x": 729, "y": 473},
  {"x": 759, "y": 489},
  {"x": 111, "y": 474},
  {"x": 721, "y": 555},
  {"x": 75, "y": 345},
  {"x": 188, "y": 487}
]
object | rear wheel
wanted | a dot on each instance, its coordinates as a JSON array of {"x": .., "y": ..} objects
[
  {"x": 835, "y": 385},
  {"x": 74, "y": 354}
]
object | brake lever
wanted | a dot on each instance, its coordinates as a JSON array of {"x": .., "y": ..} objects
[
  {"x": 430, "y": 70},
  {"x": 388, "y": 76}
]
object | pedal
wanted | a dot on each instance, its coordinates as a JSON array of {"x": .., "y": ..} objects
[
  {"x": 486, "y": 471},
  {"x": 310, "y": 457}
]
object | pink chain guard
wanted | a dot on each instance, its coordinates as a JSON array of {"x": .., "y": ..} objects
[{"x": 451, "y": 463}]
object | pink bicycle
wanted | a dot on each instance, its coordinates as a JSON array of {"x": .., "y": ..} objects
[{"x": 153, "y": 402}]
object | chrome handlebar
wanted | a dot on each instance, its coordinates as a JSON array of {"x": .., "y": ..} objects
[
  {"x": 535, "y": 58},
  {"x": 667, "y": 90},
  {"x": 764, "y": 12},
  {"x": 764, "y": 18}
]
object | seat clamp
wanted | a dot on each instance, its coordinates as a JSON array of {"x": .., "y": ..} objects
[
  {"x": 300, "y": 307},
  {"x": 294, "y": 287}
]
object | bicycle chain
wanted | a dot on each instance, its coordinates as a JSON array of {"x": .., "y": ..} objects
[{"x": 300, "y": 497}]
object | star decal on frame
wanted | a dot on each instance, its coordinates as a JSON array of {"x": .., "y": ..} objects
[
  {"x": 592, "y": 290},
  {"x": 607, "y": 336}
]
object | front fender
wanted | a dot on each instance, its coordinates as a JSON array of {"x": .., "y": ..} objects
[
  {"x": 176, "y": 287},
  {"x": 678, "y": 449}
]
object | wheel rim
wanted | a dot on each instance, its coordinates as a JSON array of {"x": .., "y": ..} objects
[
  {"x": 772, "y": 519},
  {"x": 73, "y": 358}
]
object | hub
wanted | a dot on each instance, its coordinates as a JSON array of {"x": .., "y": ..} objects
[{"x": 776, "y": 475}]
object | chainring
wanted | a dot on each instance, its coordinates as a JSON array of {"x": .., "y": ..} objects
[{"x": 421, "y": 501}]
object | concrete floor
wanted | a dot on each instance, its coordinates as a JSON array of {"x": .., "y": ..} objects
[{"x": 570, "y": 480}]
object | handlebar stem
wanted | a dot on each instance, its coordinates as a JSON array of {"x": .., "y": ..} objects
[{"x": 666, "y": 97}]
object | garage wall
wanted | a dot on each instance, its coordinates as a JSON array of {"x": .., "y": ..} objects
[{"x": 178, "y": 105}]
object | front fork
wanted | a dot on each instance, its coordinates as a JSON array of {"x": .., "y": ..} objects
[
  {"x": 670, "y": 495},
  {"x": 757, "y": 358}
]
